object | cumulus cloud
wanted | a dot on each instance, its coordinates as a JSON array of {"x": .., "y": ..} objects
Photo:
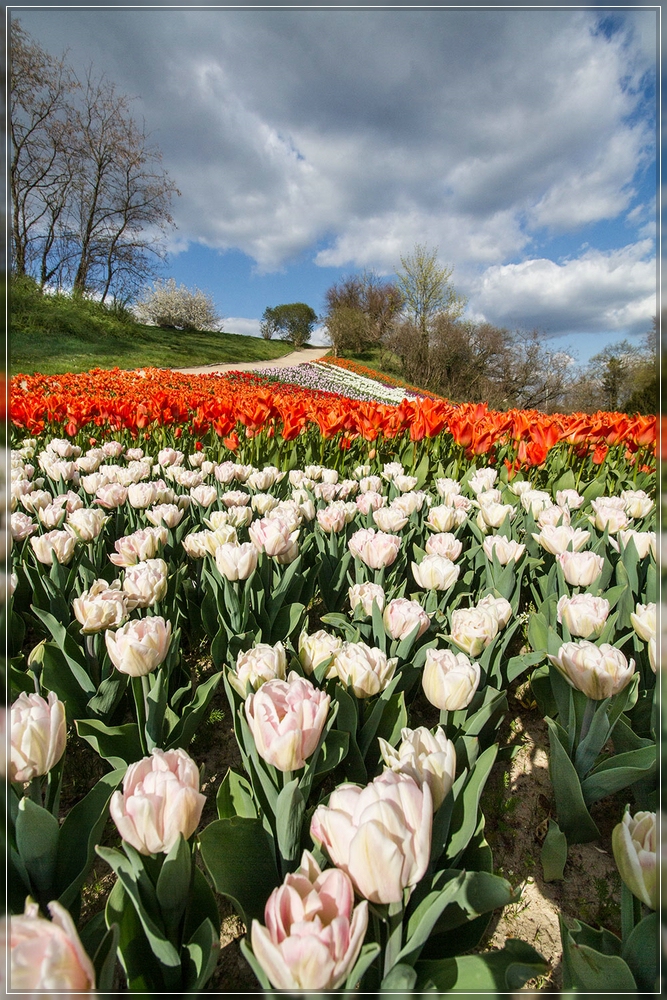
[{"x": 596, "y": 292}]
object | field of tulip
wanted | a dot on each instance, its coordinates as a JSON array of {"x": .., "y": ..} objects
[{"x": 351, "y": 594}]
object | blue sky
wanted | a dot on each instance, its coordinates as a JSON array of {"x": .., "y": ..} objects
[{"x": 309, "y": 144}]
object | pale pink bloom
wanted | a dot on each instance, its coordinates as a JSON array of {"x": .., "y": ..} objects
[
  {"x": 637, "y": 503},
  {"x": 405, "y": 483},
  {"x": 580, "y": 569},
  {"x": 504, "y": 548},
  {"x": 273, "y": 536},
  {"x": 365, "y": 669},
  {"x": 63, "y": 448},
  {"x": 225, "y": 472},
  {"x": 316, "y": 648},
  {"x": 426, "y": 757},
  {"x": 264, "y": 479},
  {"x": 159, "y": 801},
  {"x": 583, "y": 614},
  {"x": 390, "y": 519},
  {"x": 204, "y": 495},
  {"x": 473, "y": 629},
  {"x": 535, "y": 501},
  {"x": 500, "y": 608},
  {"x": 370, "y": 501},
  {"x": 51, "y": 516},
  {"x": 482, "y": 479},
  {"x": 562, "y": 538},
  {"x": 379, "y": 835},
  {"x": 262, "y": 503},
  {"x": 111, "y": 495},
  {"x": 634, "y": 842},
  {"x": 375, "y": 548},
  {"x": 435, "y": 573},
  {"x": 112, "y": 449},
  {"x": 313, "y": 933},
  {"x": 444, "y": 544},
  {"x": 236, "y": 562},
  {"x": 441, "y": 518},
  {"x": 401, "y": 617},
  {"x": 60, "y": 542},
  {"x": 47, "y": 954},
  {"x": 610, "y": 518},
  {"x": 258, "y": 665},
  {"x": 102, "y": 606},
  {"x": 370, "y": 483},
  {"x": 200, "y": 543},
  {"x": 569, "y": 498},
  {"x": 408, "y": 503},
  {"x": 86, "y": 524},
  {"x": 22, "y": 526},
  {"x": 168, "y": 514},
  {"x": 643, "y": 540},
  {"x": 235, "y": 498},
  {"x": 643, "y": 620},
  {"x": 139, "y": 546},
  {"x": 553, "y": 516},
  {"x": 170, "y": 456},
  {"x": 492, "y": 515},
  {"x": 142, "y": 495},
  {"x": 39, "y": 733},
  {"x": 392, "y": 469},
  {"x": 286, "y": 719},
  {"x": 364, "y": 594},
  {"x": 599, "y": 671},
  {"x": 139, "y": 647},
  {"x": 325, "y": 491},
  {"x": 332, "y": 518},
  {"x": 145, "y": 583},
  {"x": 449, "y": 679},
  {"x": 134, "y": 454},
  {"x": 448, "y": 489},
  {"x": 34, "y": 500}
]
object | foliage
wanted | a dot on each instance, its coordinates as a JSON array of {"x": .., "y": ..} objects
[
  {"x": 175, "y": 306},
  {"x": 360, "y": 311},
  {"x": 293, "y": 322}
]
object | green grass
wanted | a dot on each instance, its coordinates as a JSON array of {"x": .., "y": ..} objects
[
  {"x": 381, "y": 360},
  {"x": 53, "y": 334}
]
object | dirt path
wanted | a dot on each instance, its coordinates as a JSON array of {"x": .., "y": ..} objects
[{"x": 287, "y": 361}]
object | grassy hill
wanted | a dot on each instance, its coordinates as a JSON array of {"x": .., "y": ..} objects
[{"x": 56, "y": 333}]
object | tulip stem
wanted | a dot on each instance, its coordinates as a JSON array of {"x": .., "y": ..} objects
[
  {"x": 394, "y": 935},
  {"x": 140, "y": 705},
  {"x": 35, "y": 790},
  {"x": 589, "y": 712},
  {"x": 628, "y": 911},
  {"x": 91, "y": 658}
]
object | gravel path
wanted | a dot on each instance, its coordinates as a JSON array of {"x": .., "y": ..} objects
[{"x": 288, "y": 361}]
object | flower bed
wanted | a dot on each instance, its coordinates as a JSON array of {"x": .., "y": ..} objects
[{"x": 365, "y": 594}]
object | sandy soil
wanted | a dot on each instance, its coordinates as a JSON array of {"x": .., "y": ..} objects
[{"x": 288, "y": 361}]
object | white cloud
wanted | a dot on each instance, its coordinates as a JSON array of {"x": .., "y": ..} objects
[
  {"x": 242, "y": 325},
  {"x": 597, "y": 292}
]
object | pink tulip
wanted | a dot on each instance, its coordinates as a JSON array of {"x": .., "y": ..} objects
[
  {"x": 402, "y": 616},
  {"x": 375, "y": 548},
  {"x": 313, "y": 933},
  {"x": 286, "y": 719},
  {"x": 39, "y": 734},
  {"x": 47, "y": 954},
  {"x": 379, "y": 835},
  {"x": 160, "y": 800}
]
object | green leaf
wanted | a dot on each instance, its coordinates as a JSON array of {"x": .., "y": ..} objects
[
  {"x": 640, "y": 952},
  {"x": 202, "y": 905},
  {"x": 109, "y": 695},
  {"x": 235, "y": 797},
  {"x": 290, "y": 810},
  {"x": 120, "y": 745},
  {"x": 554, "y": 853},
  {"x": 156, "y": 703},
  {"x": 247, "y": 953},
  {"x": 494, "y": 971},
  {"x": 81, "y": 830},
  {"x": 594, "y": 969},
  {"x": 173, "y": 886},
  {"x": 192, "y": 714},
  {"x": 144, "y": 972},
  {"x": 537, "y": 633},
  {"x": 394, "y": 719},
  {"x": 104, "y": 960},
  {"x": 478, "y": 893},
  {"x": 464, "y": 815},
  {"x": 37, "y": 842},
  {"x": 596, "y": 737},
  {"x": 73, "y": 687},
  {"x": 400, "y": 978},
  {"x": 370, "y": 727},
  {"x": 618, "y": 772},
  {"x": 573, "y": 816},
  {"x": 239, "y": 858},
  {"x": 203, "y": 950},
  {"x": 333, "y": 752}
]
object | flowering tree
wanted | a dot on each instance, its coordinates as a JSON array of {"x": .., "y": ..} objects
[{"x": 178, "y": 307}]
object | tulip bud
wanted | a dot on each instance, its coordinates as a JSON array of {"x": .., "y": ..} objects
[
  {"x": 274, "y": 536},
  {"x": 364, "y": 594},
  {"x": 365, "y": 669},
  {"x": 168, "y": 514},
  {"x": 47, "y": 954},
  {"x": 583, "y": 614},
  {"x": 562, "y": 538},
  {"x": 426, "y": 757},
  {"x": 379, "y": 835},
  {"x": 316, "y": 648},
  {"x": 643, "y": 540},
  {"x": 500, "y": 608},
  {"x": 159, "y": 801},
  {"x": 286, "y": 719},
  {"x": 633, "y": 842},
  {"x": 332, "y": 518},
  {"x": 60, "y": 542},
  {"x": 598, "y": 671},
  {"x": 401, "y": 617},
  {"x": 369, "y": 501},
  {"x": 140, "y": 646},
  {"x": 441, "y": 518},
  {"x": 138, "y": 547},
  {"x": 258, "y": 665},
  {"x": 435, "y": 573},
  {"x": 86, "y": 523},
  {"x": 482, "y": 479},
  {"x": 39, "y": 733},
  {"x": 580, "y": 569},
  {"x": 637, "y": 503},
  {"x": 569, "y": 498},
  {"x": 313, "y": 933},
  {"x": 610, "y": 518},
  {"x": 449, "y": 679},
  {"x": 236, "y": 562},
  {"x": 444, "y": 544},
  {"x": 390, "y": 519}
]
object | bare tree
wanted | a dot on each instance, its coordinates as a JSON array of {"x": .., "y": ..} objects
[
  {"x": 91, "y": 201},
  {"x": 360, "y": 311}
]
